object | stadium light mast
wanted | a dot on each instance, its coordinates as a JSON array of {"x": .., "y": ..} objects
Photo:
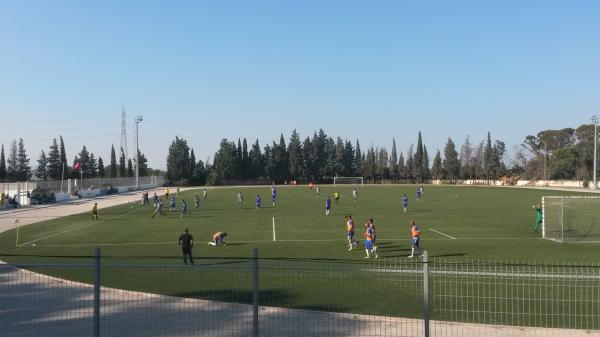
[
  {"x": 595, "y": 121},
  {"x": 138, "y": 119}
]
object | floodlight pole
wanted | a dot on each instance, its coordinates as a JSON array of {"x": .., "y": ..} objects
[
  {"x": 595, "y": 121},
  {"x": 138, "y": 119}
]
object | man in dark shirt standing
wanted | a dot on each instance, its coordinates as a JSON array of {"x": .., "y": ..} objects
[{"x": 186, "y": 241}]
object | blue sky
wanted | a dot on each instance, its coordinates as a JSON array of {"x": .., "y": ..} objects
[{"x": 372, "y": 70}]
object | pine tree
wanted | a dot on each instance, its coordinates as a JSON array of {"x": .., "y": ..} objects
[
  {"x": 401, "y": 167},
  {"x": 23, "y": 169},
  {"x": 358, "y": 167},
  {"x": 55, "y": 166},
  {"x": 418, "y": 161},
  {"x": 42, "y": 169},
  {"x": 256, "y": 161},
  {"x": 488, "y": 158},
  {"x": 129, "y": 168},
  {"x": 122, "y": 163},
  {"x": 63, "y": 153},
  {"x": 11, "y": 169},
  {"x": 92, "y": 169},
  {"x": 113, "y": 162},
  {"x": 84, "y": 160},
  {"x": 348, "y": 159},
  {"x": 410, "y": 163},
  {"x": 178, "y": 161},
  {"x": 245, "y": 160},
  {"x": 101, "y": 172},
  {"x": 192, "y": 163},
  {"x": 295, "y": 158},
  {"x": 425, "y": 164},
  {"x": 143, "y": 165},
  {"x": 370, "y": 166},
  {"x": 280, "y": 160},
  {"x": 394, "y": 174},
  {"x": 2, "y": 164},
  {"x": 308, "y": 163},
  {"x": 437, "y": 172},
  {"x": 451, "y": 163}
]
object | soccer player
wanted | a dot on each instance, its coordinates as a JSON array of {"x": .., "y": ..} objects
[
  {"x": 183, "y": 208},
  {"x": 318, "y": 192},
  {"x": 310, "y": 185},
  {"x": 419, "y": 194},
  {"x": 273, "y": 194},
  {"x": 173, "y": 204},
  {"x": 327, "y": 205},
  {"x": 354, "y": 195},
  {"x": 167, "y": 194},
  {"x": 258, "y": 201},
  {"x": 336, "y": 197},
  {"x": 369, "y": 247},
  {"x": 415, "y": 239},
  {"x": 352, "y": 244},
  {"x": 158, "y": 209},
  {"x": 95, "y": 211},
  {"x": 540, "y": 217},
  {"x": 218, "y": 239},
  {"x": 239, "y": 199},
  {"x": 186, "y": 241},
  {"x": 404, "y": 202},
  {"x": 204, "y": 194},
  {"x": 371, "y": 225},
  {"x": 196, "y": 200},
  {"x": 155, "y": 199}
]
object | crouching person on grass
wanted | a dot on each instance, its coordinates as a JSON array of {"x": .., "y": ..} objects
[{"x": 218, "y": 239}]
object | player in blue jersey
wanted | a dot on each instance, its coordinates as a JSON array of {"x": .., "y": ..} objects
[
  {"x": 371, "y": 225},
  {"x": 369, "y": 246},
  {"x": 404, "y": 202},
  {"x": 258, "y": 201},
  {"x": 419, "y": 193},
  {"x": 155, "y": 200},
  {"x": 183, "y": 208},
  {"x": 327, "y": 205},
  {"x": 273, "y": 194},
  {"x": 172, "y": 204}
]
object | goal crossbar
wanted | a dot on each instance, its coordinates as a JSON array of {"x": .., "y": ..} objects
[{"x": 348, "y": 180}]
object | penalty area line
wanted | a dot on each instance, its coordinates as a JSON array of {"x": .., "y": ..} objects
[
  {"x": 446, "y": 235},
  {"x": 71, "y": 229}
]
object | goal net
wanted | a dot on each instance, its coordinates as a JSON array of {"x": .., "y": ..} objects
[
  {"x": 571, "y": 218},
  {"x": 348, "y": 181}
]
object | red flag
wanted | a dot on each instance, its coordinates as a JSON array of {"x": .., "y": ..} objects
[{"x": 77, "y": 166}]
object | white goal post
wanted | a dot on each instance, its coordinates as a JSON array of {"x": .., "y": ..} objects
[
  {"x": 571, "y": 218},
  {"x": 348, "y": 181}
]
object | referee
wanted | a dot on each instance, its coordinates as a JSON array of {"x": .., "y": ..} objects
[{"x": 186, "y": 241}]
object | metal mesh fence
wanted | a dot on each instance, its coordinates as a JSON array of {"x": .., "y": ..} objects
[{"x": 298, "y": 297}]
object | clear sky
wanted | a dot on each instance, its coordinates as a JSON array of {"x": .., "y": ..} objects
[{"x": 373, "y": 70}]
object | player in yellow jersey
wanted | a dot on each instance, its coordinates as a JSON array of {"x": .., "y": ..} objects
[
  {"x": 95, "y": 211},
  {"x": 336, "y": 197}
]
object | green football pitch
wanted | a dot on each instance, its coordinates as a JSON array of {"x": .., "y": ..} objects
[
  {"x": 305, "y": 262},
  {"x": 462, "y": 222}
]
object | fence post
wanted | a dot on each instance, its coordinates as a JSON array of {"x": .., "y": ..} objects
[
  {"x": 426, "y": 293},
  {"x": 255, "y": 292},
  {"x": 96, "y": 325}
]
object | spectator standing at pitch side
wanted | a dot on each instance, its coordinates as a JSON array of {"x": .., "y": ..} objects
[{"x": 186, "y": 241}]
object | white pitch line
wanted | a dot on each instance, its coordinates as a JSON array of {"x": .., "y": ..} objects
[
  {"x": 253, "y": 241},
  {"x": 446, "y": 235},
  {"x": 70, "y": 230}
]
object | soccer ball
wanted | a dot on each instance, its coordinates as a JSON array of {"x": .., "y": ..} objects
[{"x": 33, "y": 244}]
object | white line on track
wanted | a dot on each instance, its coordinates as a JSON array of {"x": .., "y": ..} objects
[
  {"x": 446, "y": 235},
  {"x": 70, "y": 230}
]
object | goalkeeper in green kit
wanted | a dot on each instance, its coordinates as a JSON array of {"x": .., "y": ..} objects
[{"x": 539, "y": 213}]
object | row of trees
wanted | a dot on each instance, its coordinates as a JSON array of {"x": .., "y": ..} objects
[
  {"x": 53, "y": 164},
  {"x": 557, "y": 154},
  {"x": 321, "y": 158}
]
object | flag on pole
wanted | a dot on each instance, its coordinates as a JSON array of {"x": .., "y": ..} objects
[{"x": 77, "y": 166}]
